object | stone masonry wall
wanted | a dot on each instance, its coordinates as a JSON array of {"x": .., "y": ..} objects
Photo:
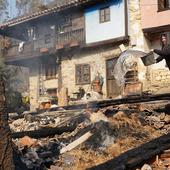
[
  {"x": 34, "y": 84},
  {"x": 97, "y": 60},
  {"x": 160, "y": 81},
  {"x": 159, "y": 74}
]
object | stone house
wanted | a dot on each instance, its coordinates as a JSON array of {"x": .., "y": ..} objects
[{"x": 69, "y": 44}]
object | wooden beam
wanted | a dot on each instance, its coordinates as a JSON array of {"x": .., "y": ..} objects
[{"x": 77, "y": 142}]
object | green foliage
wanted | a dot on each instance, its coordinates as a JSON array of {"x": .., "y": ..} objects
[
  {"x": 9, "y": 74},
  {"x": 13, "y": 97}
]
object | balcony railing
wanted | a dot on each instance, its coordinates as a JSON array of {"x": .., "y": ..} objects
[
  {"x": 42, "y": 43},
  {"x": 15, "y": 52},
  {"x": 33, "y": 48},
  {"x": 70, "y": 37}
]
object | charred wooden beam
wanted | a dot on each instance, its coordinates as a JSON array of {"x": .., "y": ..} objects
[
  {"x": 138, "y": 156},
  {"x": 106, "y": 103},
  {"x": 134, "y": 99},
  {"x": 125, "y": 100},
  {"x": 45, "y": 132},
  {"x": 68, "y": 126}
]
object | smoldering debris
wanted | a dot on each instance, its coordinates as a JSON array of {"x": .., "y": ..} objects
[{"x": 96, "y": 137}]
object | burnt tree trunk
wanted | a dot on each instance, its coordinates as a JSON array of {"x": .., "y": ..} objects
[{"x": 6, "y": 151}]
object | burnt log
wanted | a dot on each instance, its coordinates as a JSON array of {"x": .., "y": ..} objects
[{"x": 138, "y": 156}]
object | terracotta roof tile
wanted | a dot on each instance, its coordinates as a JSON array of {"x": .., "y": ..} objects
[{"x": 42, "y": 13}]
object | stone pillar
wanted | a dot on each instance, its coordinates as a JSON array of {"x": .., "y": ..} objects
[
  {"x": 34, "y": 86},
  {"x": 63, "y": 97},
  {"x": 137, "y": 39},
  {"x": 135, "y": 27}
]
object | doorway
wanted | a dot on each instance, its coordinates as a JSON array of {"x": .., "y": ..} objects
[{"x": 113, "y": 90}]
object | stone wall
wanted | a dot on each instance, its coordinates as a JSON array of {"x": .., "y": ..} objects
[
  {"x": 159, "y": 74},
  {"x": 159, "y": 80},
  {"x": 34, "y": 84},
  {"x": 96, "y": 58}
]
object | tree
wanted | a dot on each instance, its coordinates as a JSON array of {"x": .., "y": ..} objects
[
  {"x": 6, "y": 151},
  {"x": 29, "y": 6},
  {"x": 13, "y": 97}
]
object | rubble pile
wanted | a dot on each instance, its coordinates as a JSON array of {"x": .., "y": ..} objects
[
  {"x": 34, "y": 122},
  {"x": 159, "y": 121},
  {"x": 162, "y": 161},
  {"x": 98, "y": 137},
  {"x": 36, "y": 154}
]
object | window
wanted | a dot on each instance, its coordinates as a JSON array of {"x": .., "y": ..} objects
[
  {"x": 82, "y": 74},
  {"x": 163, "y": 4},
  {"x": 104, "y": 14},
  {"x": 32, "y": 33},
  {"x": 50, "y": 71},
  {"x": 47, "y": 38},
  {"x": 52, "y": 92}
]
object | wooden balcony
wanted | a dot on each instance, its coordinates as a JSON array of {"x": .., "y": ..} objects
[
  {"x": 71, "y": 38},
  {"x": 13, "y": 52},
  {"x": 39, "y": 46}
]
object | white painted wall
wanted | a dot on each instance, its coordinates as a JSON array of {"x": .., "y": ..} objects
[{"x": 96, "y": 31}]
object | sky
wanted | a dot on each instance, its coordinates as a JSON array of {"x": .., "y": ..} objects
[{"x": 12, "y": 10}]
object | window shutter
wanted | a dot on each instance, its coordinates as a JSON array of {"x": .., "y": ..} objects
[
  {"x": 162, "y": 4},
  {"x": 82, "y": 74}
]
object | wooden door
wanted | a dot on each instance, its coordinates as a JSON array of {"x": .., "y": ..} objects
[{"x": 113, "y": 89}]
